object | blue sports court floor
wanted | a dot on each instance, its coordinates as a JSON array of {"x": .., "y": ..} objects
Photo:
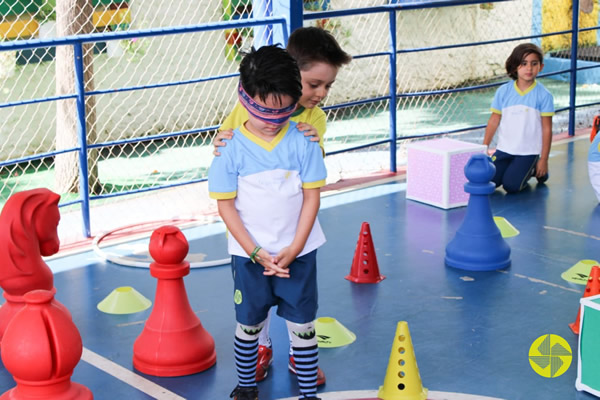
[{"x": 471, "y": 331}]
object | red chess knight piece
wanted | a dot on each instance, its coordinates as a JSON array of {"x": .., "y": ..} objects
[
  {"x": 364, "y": 264},
  {"x": 40, "y": 348},
  {"x": 28, "y": 231},
  {"x": 173, "y": 341}
]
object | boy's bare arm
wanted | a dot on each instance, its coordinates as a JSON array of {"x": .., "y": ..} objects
[
  {"x": 236, "y": 227},
  {"x": 490, "y": 129},
  {"x": 308, "y": 215},
  {"x": 542, "y": 165}
]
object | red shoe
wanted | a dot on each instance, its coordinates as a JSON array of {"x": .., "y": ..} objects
[
  {"x": 320, "y": 374},
  {"x": 265, "y": 359}
]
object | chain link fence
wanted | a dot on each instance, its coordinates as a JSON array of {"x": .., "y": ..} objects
[{"x": 179, "y": 121}]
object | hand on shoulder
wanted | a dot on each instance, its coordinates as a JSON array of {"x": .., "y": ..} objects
[
  {"x": 219, "y": 140},
  {"x": 309, "y": 131}
]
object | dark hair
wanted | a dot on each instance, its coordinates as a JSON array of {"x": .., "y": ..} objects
[
  {"x": 270, "y": 70},
  {"x": 309, "y": 45},
  {"x": 518, "y": 54}
]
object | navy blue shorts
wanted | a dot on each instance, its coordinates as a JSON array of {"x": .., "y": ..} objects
[
  {"x": 513, "y": 172},
  {"x": 254, "y": 294}
]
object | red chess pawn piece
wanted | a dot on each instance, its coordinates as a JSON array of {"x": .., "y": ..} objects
[
  {"x": 364, "y": 264},
  {"x": 173, "y": 341},
  {"x": 40, "y": 348},
  {"x": 28, "y": 231},
  {"x": 592, "y": 288}
]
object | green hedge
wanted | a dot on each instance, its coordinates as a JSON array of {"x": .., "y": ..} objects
[
  {"x": 9, "y": 8},
  {"x": 17, "y": 7},
  {"x": 108, "y": 2}
]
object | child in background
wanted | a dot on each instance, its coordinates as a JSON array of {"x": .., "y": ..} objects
[
  {"x": 319, "y": 58},
  {"x": 267, "y": 185},
  {"x": 522, "y": 113},
  {"x": 594, "y": 157}
]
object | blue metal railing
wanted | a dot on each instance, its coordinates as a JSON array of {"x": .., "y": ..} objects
[
  {"x": 295, "y": 19},
  {"x": 574, "y": 42},
  {"x": 413, "y": 6},
  {"x": 393, "y": 97},
  {"x": 80, "y": 95}
]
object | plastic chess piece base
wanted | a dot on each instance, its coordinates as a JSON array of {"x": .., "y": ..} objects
[
  {"x": 464, "y": 252},
  {"x": 75, "y": 391},
  {"x": 173, "y": 370}
]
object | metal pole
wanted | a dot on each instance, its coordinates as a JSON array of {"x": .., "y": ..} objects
[
  {"x": 393, "y": 146},
  {"x": 82, "y": 134},
  {"x": 573, "y": 82},
  {"x": 296, "y": 14}
]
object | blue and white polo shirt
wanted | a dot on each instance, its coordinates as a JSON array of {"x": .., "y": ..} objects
[
  {"x": 520, "y": 129},
  {"x": 266, "y": 179}
]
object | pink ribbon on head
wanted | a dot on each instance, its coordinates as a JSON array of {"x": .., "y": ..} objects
[{"x": 274, "y": 116}]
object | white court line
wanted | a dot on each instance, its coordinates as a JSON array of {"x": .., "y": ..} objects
[
  {"x": 352, "y": 196},
  {"x": 570, "y": 139},
  {"x": 132, "y": 379},
  {"x": 372, "y": 394},
  {"x": 536, "y": 280},
  {"x": 572, "y": 232}
]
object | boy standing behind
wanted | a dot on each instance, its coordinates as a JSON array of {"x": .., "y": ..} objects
[
  {"x": 267, "y": 185},
  {"x": 522, "y": 116},
  {"x": 319, "y": 57}
]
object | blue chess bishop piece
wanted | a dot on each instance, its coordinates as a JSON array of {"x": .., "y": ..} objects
[{"x": 478, "y": 244}]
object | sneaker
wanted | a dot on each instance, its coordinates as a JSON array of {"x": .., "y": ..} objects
[
  {"x": 244, "y": 393},
  {"x": 265, "y": 359},
  {"x": 543, "y": 178},
  {"x": 311, "y": 398},
  {"x": 320, "y": 374}
]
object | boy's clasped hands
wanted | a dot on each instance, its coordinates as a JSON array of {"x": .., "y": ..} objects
[{"x": 279, "y": 265}]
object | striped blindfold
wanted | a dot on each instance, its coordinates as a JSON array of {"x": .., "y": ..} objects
[{"x": 274, "y": 116}]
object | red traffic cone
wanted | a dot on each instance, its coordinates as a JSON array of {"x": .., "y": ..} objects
[
  {"x": 591, "y": 289},
  {"x": 364, "y": 264},
  {"x": 595, "y": 128}
]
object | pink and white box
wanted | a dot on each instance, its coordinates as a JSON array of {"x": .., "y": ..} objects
[{"x": 435, "y": 171}]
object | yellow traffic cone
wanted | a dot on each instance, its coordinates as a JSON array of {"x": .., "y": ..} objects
[{"x": 402, "y": 379}]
